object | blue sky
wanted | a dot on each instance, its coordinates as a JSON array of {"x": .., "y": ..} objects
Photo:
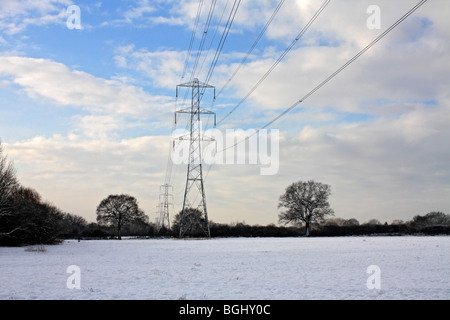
[{"x": 87, "y": 113}]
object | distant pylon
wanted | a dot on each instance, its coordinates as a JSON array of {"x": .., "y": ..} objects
[
  {"x": 194, "y": 195},
  {"x": 165, "y": 203}
]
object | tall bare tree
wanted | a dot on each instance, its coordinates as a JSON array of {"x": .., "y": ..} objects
[
  {"x": 306, "y": 203},
  {"x": 116, "y": 210},
  {"x": 8, "y": 185}
]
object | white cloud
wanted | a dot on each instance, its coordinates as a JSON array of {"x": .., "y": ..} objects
[
  {"x": 163, "y": 67},
  {"x": 106, "y": 107},
  {"x": 143, "y": 7},
  {"x": 99, "y": 127},
  {"x": 17, "y": 15},
  {"x": 137, "y": 13},
  {"x": 55, "y": 82}
]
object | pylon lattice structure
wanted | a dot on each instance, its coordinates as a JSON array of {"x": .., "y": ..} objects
[
  {"x": 165, "y": 204},
  {"x": 194, "y": 195}
]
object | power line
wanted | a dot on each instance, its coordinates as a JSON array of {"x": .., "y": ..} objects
[
  {"x": 200, "y": 49},
  {"x": 263, "y": 31},
  {"x": 288, "y": 49},
  {"x": 219, "y": 49},
  {"x": 215, "y": 34},
  {"x": 338, "y": 71},
  {"x": 205, "y": 32},
  {"x": 194, "y": 31},
  {"x": 222, "y": 41},
  {"x": 255, "y": 43}
]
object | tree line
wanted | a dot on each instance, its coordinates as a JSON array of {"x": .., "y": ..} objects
[{"x": 26, "y": 219}]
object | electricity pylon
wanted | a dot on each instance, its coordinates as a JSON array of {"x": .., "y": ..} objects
[
  {"x": 165, "y": 203},
  {"x": 194, "y": 195}
]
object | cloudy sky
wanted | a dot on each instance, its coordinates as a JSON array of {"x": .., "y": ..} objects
[{"x": 88, "y": 112}]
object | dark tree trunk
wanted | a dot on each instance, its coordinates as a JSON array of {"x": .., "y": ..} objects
[
  {"x": 119, "y": 236},
  {"x": 307, "y": 229},
  {"x": 308, "y": 218}
]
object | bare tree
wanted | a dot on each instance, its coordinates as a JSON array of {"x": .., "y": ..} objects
[
  {"x": 116, "y": 210},
  {"x": 8, "y": 183},
  {"x": 31, "y": 221},
  {"x": 306, "y": 203}
]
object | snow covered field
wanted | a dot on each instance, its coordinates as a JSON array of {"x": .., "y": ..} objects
[{"x": 231, "y": 269}]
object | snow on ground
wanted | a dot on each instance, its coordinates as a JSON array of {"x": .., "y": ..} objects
[{"x": 231, "y": 269}]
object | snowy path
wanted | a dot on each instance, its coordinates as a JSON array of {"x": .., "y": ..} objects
[{"x": 261, "y": 268}]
